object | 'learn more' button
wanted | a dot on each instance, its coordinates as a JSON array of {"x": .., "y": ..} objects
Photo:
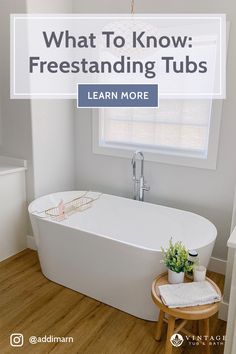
[{"x": 120, "y": 95}]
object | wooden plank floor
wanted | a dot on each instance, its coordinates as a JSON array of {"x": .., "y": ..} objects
[{"x": 34, "y": 306}]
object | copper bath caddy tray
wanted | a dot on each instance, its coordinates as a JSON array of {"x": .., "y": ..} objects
[{"x": 64, "y": 210}]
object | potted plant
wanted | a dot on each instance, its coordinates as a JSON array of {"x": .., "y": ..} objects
[{"x": 175, "y": 257}]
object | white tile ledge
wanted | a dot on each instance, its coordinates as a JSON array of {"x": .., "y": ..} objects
[{"x": 11, "y": 165}]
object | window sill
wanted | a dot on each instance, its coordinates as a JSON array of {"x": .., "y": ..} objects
[{"x": 166, "y": 158}]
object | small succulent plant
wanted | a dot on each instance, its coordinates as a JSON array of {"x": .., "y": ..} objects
[{"x": 175, "y": 257}]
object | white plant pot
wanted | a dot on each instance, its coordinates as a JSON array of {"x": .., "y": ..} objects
[{"x": 175, "y": 278}]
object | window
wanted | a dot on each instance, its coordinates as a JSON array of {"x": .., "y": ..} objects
[{"x": 183, "y": 132}]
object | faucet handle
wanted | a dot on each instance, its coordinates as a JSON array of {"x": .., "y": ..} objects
[
  {"x": 146, "y": 187},
  {"x": 133, "y": 162}
]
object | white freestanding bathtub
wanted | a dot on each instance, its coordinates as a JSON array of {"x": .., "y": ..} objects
[{"x": 111, "y": 251}]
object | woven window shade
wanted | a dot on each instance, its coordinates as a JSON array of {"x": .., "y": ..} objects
[{"x": 181, "y": 125}]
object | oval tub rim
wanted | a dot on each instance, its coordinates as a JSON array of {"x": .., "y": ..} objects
[{"x": 212, "y": 239}]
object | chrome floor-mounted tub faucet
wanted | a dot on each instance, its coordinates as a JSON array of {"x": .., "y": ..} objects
[{"x": 139, "y": 182}]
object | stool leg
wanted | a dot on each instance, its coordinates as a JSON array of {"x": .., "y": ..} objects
[
  {"x": 195, "y": 327},
  {"x": 206, "y": 332},
  {"x": 159, "y": 325},
  {"x": 170, "y": 332}
]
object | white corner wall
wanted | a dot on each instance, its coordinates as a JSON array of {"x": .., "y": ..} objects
[
  {"x": 229, "y": 270},
  {"x": 1, "y": 133},
  {"x": 52, "y": 128},
  {"x": 208, "y": 193},
  {"x": 53, "y": 146}
]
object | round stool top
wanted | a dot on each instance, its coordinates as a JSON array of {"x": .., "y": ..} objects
[{"x": 189, "y": 313}]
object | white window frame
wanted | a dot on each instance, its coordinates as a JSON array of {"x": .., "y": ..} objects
[
  {"x": 210, "y": 162},
  {"x": 167, "y": 157}
]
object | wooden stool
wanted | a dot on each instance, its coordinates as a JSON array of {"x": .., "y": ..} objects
[{"x": 200, "y": 313}]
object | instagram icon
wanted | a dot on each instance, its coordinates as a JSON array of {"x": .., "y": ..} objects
[{"x": 16, "y": 340}]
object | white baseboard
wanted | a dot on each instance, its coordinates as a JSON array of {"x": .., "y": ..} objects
[
  {"x": 217, "y": 265},
  {"x": 223, "y": 312},
  {"x": 31, "y": 242}
]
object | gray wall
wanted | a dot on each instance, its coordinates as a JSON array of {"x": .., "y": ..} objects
[
  {"x": 209, "y": 193},
  {"x": 42, "y": 132},
  {"x": 16, "y": 115}
]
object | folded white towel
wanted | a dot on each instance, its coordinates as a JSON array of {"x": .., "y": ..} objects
[{"x": 188, "y": 294}]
